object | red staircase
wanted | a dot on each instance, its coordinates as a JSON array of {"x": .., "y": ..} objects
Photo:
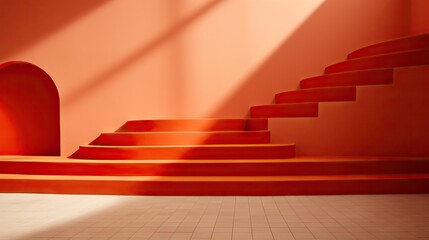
[{"x": 236, "y": 156}]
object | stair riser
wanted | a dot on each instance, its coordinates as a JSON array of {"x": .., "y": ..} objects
[
  {"x": 215, "y": 169},
  {"x": 317, "y": 95},
  {"x": 184, "y": 138},
  {"x": 382, "y": 61},
  {"x": 200, "y": 152},
  {"x": 399, "y": 45},
  {"x": 292, "y": 110},
  {"x": 208, "y": 188},
  {"x": 184, "y": 125},
  {"x": 349, "y": 79}
]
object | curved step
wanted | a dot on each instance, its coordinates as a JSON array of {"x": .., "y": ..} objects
[
  {"x": 401, "y": 59},
  {"x": 317, "y": 95},
  {"x": 165, "y": 125},
  {"x": 210, "y": 185},
  {"x": 217, "y": 167},
  {"x": 183, "y": 138},
  {"x": 285, "y": 110},
  {"x": 234, "y": 151},
  {"x": 356, "y": 78},
  {"x": 396, "y": 45}
]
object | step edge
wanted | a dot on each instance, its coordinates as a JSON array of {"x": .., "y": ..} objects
[
  {"x": 376, "y": 56},
  {"x": 194, "y": 146},
  {"x": 404, "y": 38},
  {"x": 185, "y": 132},
  {"x": 356, "y": 177}
]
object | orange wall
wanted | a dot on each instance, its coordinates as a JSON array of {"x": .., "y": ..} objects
[
  {"x": 385, "y": 120},
  {"x": 419, "y": 16},
  {"x": 118, "y": 60}
]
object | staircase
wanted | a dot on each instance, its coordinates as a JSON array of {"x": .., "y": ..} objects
[{"x": 236, "y": 156}]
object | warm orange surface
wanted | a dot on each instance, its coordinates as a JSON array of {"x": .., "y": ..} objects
[
  {"x": 215, "y": 178},
  {"x": 304, "y": 175},
  {"x": 164, "y": 125},
  {"x": 389, "y": 60},
  {"x": 206, "y": 151},
  {"x": 352, "y": 78},
  {"x": 302, "y": 166},
  {"x": 292, "y": 110},
  {"x": 185, "y": 138},
  {"x": 407, "y": 43},
  {"x": 419, "y": 16},
  {"x": 295, "y": 159},
  {"x": 317, "y": 95},
  {"x": 29, "y": 111},
  {"x": 118, "y": 60},
  {"x": 386, "y": 120},
  {"x": 416, "y": 183}
]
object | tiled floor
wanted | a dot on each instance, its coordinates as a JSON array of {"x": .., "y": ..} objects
[{"x": 61, "y": 217}]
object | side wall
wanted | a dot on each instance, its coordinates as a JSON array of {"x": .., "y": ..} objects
[
  {"x": 419, "y": 16},
  {"x": 385, "y": 120},
  {"x": 118, "y": 60}
]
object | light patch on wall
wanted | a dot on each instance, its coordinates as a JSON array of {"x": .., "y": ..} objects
[{"x": 216, "y": 64}]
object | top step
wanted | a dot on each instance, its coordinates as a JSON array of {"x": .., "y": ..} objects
[
  {"x": 397, "y": 45},
  {"x": 391, "y": 60},
  {"x": 194, "y": 125}
]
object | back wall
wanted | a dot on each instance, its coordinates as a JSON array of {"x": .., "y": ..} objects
[{"x": 118, "y": 60}]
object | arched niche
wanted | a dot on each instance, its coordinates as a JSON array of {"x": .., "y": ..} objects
[{"x": 29, "y": 111}]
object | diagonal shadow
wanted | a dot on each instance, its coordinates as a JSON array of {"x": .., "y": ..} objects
[
  {"x": 24, "y": 23},
  {"x": 274, "y": 66},
  {"x": 314, "y": 44},
  {"x": 104, "y": 77}
]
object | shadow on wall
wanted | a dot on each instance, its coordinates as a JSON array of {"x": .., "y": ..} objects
[
  {"x": 335, "y": 28},
  {"x": 310, "y": 47},
  {"x": 113, "y": 85},
  {"x": 26, "y": 22},
  {"x": 103, "y": 77}
]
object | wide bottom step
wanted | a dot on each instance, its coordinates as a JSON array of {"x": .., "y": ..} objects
[
  {"x": 216, "y": 151},
  {"x": 191, "y": 186},
  {"x": 216, "y": 167}
]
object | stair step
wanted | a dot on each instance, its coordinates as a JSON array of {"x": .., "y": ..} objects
[
  {"x": 210, "y": 185},
  {"x": 356, "y": 78},
  {"x": 184, "y": 125},
  {"x": 217, "y": 167},
  {"x": 285, "y": 110},
  {"x": 396, "y": 45},
  {"x": 185, "y": 138},
  {"x": 401, "y": 59},
  {"x": 317, "y": 95},
  {"x": 233, "y": 151}
]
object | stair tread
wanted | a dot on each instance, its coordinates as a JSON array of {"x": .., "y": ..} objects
[
  {"x": 190, "y": 119},
  {"x": 185, "y": 161},
  {"x": 393, "y": 45},
  {"x": 327, "y": 94},
  {"x": 215, "y": 178},
  {"x": 381, "y": 76},
  {"x": 388, "y": 54},
  {"x": 188, "y": 132},
  {"x": 388, "y": 60},
  {"x": 360, "y": 70},
  {"x": 147, "y": 125},
  {"x": 194, "y": 146},
  {"x": 276, "y": 105},
  {"x": 319, "y": 89}
]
